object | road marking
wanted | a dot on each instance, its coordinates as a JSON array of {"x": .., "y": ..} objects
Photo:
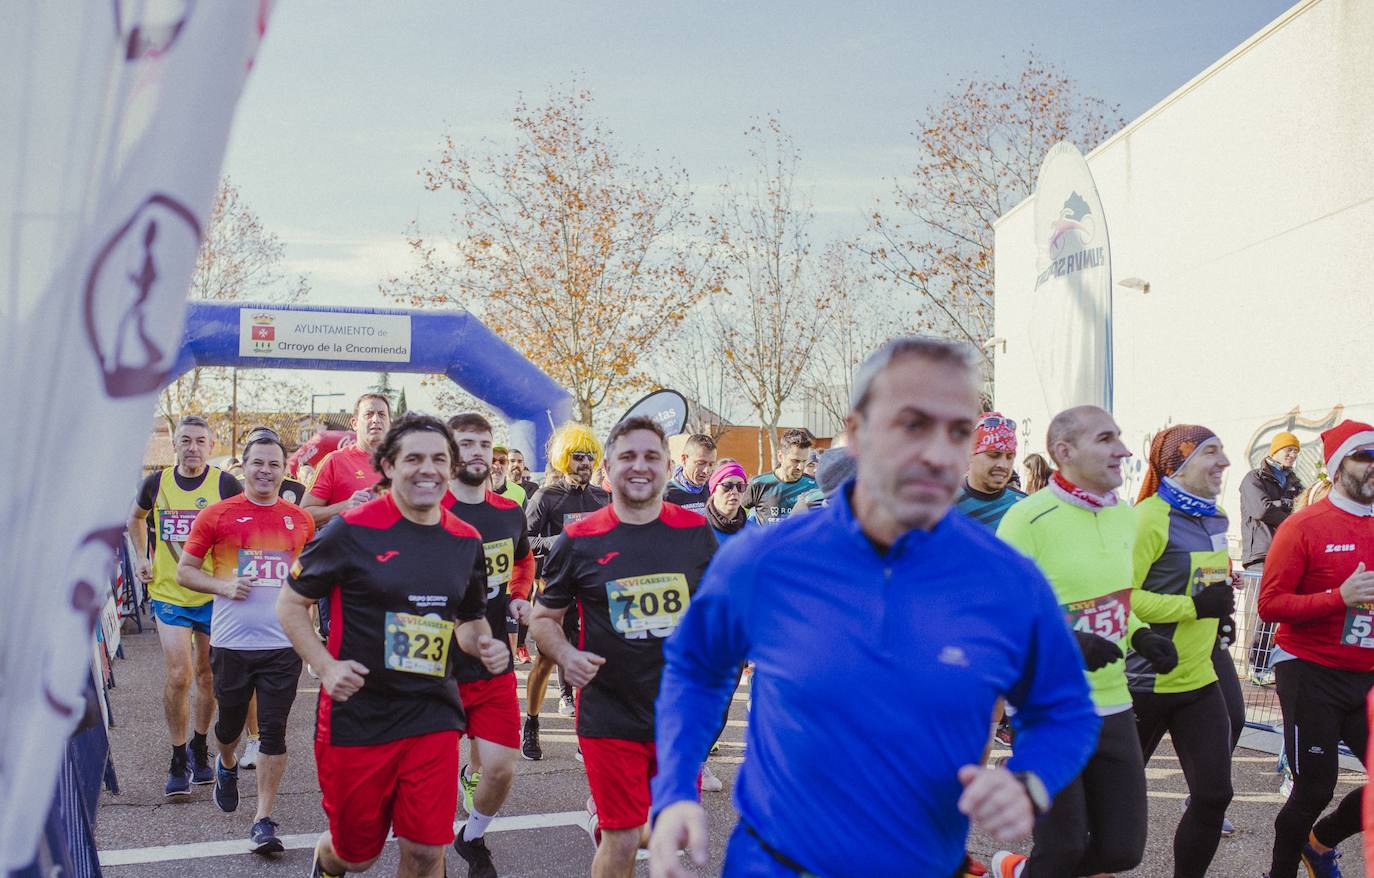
[{"x": 306, "y": 841}]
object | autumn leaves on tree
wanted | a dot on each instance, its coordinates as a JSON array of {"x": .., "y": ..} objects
[{"x": 598, "y": 269}]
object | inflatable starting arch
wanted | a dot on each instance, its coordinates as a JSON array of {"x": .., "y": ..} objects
[{"x": 453, "y": 343}]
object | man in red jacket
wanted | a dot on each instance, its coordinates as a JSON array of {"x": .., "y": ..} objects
[{"x": 1319, "y": 586}]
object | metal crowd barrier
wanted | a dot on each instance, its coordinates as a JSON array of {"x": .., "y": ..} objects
[{"x": 1251, "y": 651}]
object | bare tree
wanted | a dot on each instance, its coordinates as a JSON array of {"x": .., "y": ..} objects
[
  {"x": 862, "y": 315},
  {"x": 978, "y": 154},
  {"x": 693, "y": 362},
  {"x": 239, "y": 260},
  {"x": 771, "y": 302},
  {"x": 581, "y": 260}
]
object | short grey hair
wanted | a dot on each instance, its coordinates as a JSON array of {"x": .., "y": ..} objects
[
  {"x": 936, "y": 350},
  {"x": 194, "y": 421}
]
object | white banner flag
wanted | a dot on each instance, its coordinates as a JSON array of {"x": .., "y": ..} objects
[
  {"x": 115, "y": 116},
  {"x": 1070, "y": 332}
]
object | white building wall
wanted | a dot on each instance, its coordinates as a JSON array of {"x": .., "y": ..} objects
[{"x": 1246, "y": 200}]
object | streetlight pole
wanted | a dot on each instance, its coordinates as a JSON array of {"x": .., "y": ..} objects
[{"x": 315, "y": 396}]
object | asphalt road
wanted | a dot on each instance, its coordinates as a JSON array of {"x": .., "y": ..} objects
[{"x": 539, "y": 831}]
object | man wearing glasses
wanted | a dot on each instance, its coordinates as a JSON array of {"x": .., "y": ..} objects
[
  {"x": 568, "y": 495},
  {"x": 500, "y": 484},
  {"x": 1318, "y": 586},
  {"x": 986, "y": 493}
]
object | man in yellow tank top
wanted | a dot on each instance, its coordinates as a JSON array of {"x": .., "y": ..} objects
[{"x": 172, "y": 498}]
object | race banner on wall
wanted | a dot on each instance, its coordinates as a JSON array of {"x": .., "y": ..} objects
[{"x": 1071, "y": 328}]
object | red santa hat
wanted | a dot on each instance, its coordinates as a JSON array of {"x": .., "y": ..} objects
[{"x": 1341, "y": 440}]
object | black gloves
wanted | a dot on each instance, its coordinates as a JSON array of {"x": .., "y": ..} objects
[
  {"x": 1098, "y": 652},
  {"x": 1157, "y": 649},
  {"x": 1215, "y": 601},
  {"x": 1226, "y": 630}
]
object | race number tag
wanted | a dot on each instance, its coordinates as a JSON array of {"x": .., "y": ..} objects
[
  {"x": 1358, "y": 629},
  {"x": 500, "y": 557},
  {"x": 648, "y": 603},
  {"x": 1204, "y": 576},
  {"x": 174, "y": 525},
  {"x": 417, "y": 644},
  {"x": 270, "y": 567},
  {"x": 1105, "y": 616}
]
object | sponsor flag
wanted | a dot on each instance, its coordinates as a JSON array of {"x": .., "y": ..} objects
[
  {"x": 116, "y": 117},
  {"x": 1071, "y": 323},
  {"x": 667, "y": 407}
]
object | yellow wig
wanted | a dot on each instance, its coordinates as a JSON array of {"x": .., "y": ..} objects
[{"x": 569, "y": 438}]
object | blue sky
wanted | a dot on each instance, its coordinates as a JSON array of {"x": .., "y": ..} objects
[{"x": 344, "y": 107}]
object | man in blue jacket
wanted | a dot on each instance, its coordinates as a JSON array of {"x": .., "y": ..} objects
[{"x": 882, "y": 591}]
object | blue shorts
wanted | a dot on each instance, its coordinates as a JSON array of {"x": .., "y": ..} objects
[{"x": 195, "y": 618}]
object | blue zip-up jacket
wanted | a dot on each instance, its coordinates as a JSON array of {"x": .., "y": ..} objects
[{"x": 951, "y": 618}]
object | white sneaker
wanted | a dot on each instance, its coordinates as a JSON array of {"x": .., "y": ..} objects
[
  {"x": 709, "y": 782},
  {"x": 249, "y": 759},
  {"x": 593, "y": 824},
  {"x": 566, "y": 706}
]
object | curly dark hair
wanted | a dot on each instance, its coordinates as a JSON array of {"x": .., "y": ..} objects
[{"x": 410, "y": 422}]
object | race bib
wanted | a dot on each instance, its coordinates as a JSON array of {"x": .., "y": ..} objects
[
  {"x": 648, "y": 603},
  {"x": 174, "y": 525},
  {"x": 270, "y": 567},
  {"x": 500, "y": 558},
  {"x": 1105, "y": 616},
  {"x": 1358, "y": 629},
  {"x": 1204, "y": 576},
  {"x": 417, "y": 644}
]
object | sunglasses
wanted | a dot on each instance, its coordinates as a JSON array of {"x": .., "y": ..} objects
[
  {"x": 996, "y": 421},
  {"x": 583, "y": 456},
  {"x": 1364, "y": 456},
  {"x": 732, "y": 487}
]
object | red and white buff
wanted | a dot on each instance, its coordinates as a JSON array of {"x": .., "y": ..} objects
[{"x": 994, "y": 433}]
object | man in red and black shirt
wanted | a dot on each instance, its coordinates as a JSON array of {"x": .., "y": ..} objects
[
  {"x": 489, "y": 699},
  {"x": 403, "y": 577},
  {"x": 1319, "y": 586},
  {"x": 631, "y": 569}
]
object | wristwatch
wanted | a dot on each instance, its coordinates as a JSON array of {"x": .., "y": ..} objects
[{"x": 1035, "y": 789}]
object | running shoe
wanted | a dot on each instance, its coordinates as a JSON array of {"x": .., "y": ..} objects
[
  {"x": 529, "y": 740},
  {"x": 249, "y": 759},
  {"x": 317, "y": 871},
  {"x": 1005, "y": 864},
  {"x": 566, "y": 706},
  {"x": 1321, "y": 865},
  {"x": 1003, "y": 733},
  {"x": 715, "y": 749},
  {"x": 578, "y": 755},
  {"x": 1227, "y": 828},
  {"x": 476, "y": 854},
  {"x": 1262, "y": 678},
  {"x": 593, "y": 824},
  {"x": 263, "y": 835},
  {"x": 467, "y": 784},
  {"x": 522, "y": 655},
  {"x": 226, "y": 792},
  {"x": 709, "y": 782},
  {"x": 202, "y": 772},
  {"x": 973, "y": 868},
  {"x": 178, "y": 776}
]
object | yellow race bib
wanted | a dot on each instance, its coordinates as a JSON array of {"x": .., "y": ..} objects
[
  {"x": 417, "y": 644},
  {"x": 648, "y": 603}
]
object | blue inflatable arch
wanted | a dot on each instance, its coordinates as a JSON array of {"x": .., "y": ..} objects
[{"x": 454, "y": 343}]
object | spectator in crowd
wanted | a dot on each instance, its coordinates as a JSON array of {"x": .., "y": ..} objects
[
  {"x": 1267, "y": 497},
  {"x": 1038, "y": 472}
]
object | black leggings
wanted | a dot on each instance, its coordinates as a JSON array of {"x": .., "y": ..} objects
[
  {"x": 1230, "y": 690},
  {"x": 1097, "y": 823},
  {"x": 1199, "y": 724},
  {"x": 572, "y": 626},
  {"x": 1321, "y": 707}
]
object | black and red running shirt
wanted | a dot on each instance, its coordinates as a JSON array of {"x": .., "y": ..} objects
[
  {"x": 382, "y": 574},
  {"x": 631, "y": 584},
  {"x": 509, "y": 567}
]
